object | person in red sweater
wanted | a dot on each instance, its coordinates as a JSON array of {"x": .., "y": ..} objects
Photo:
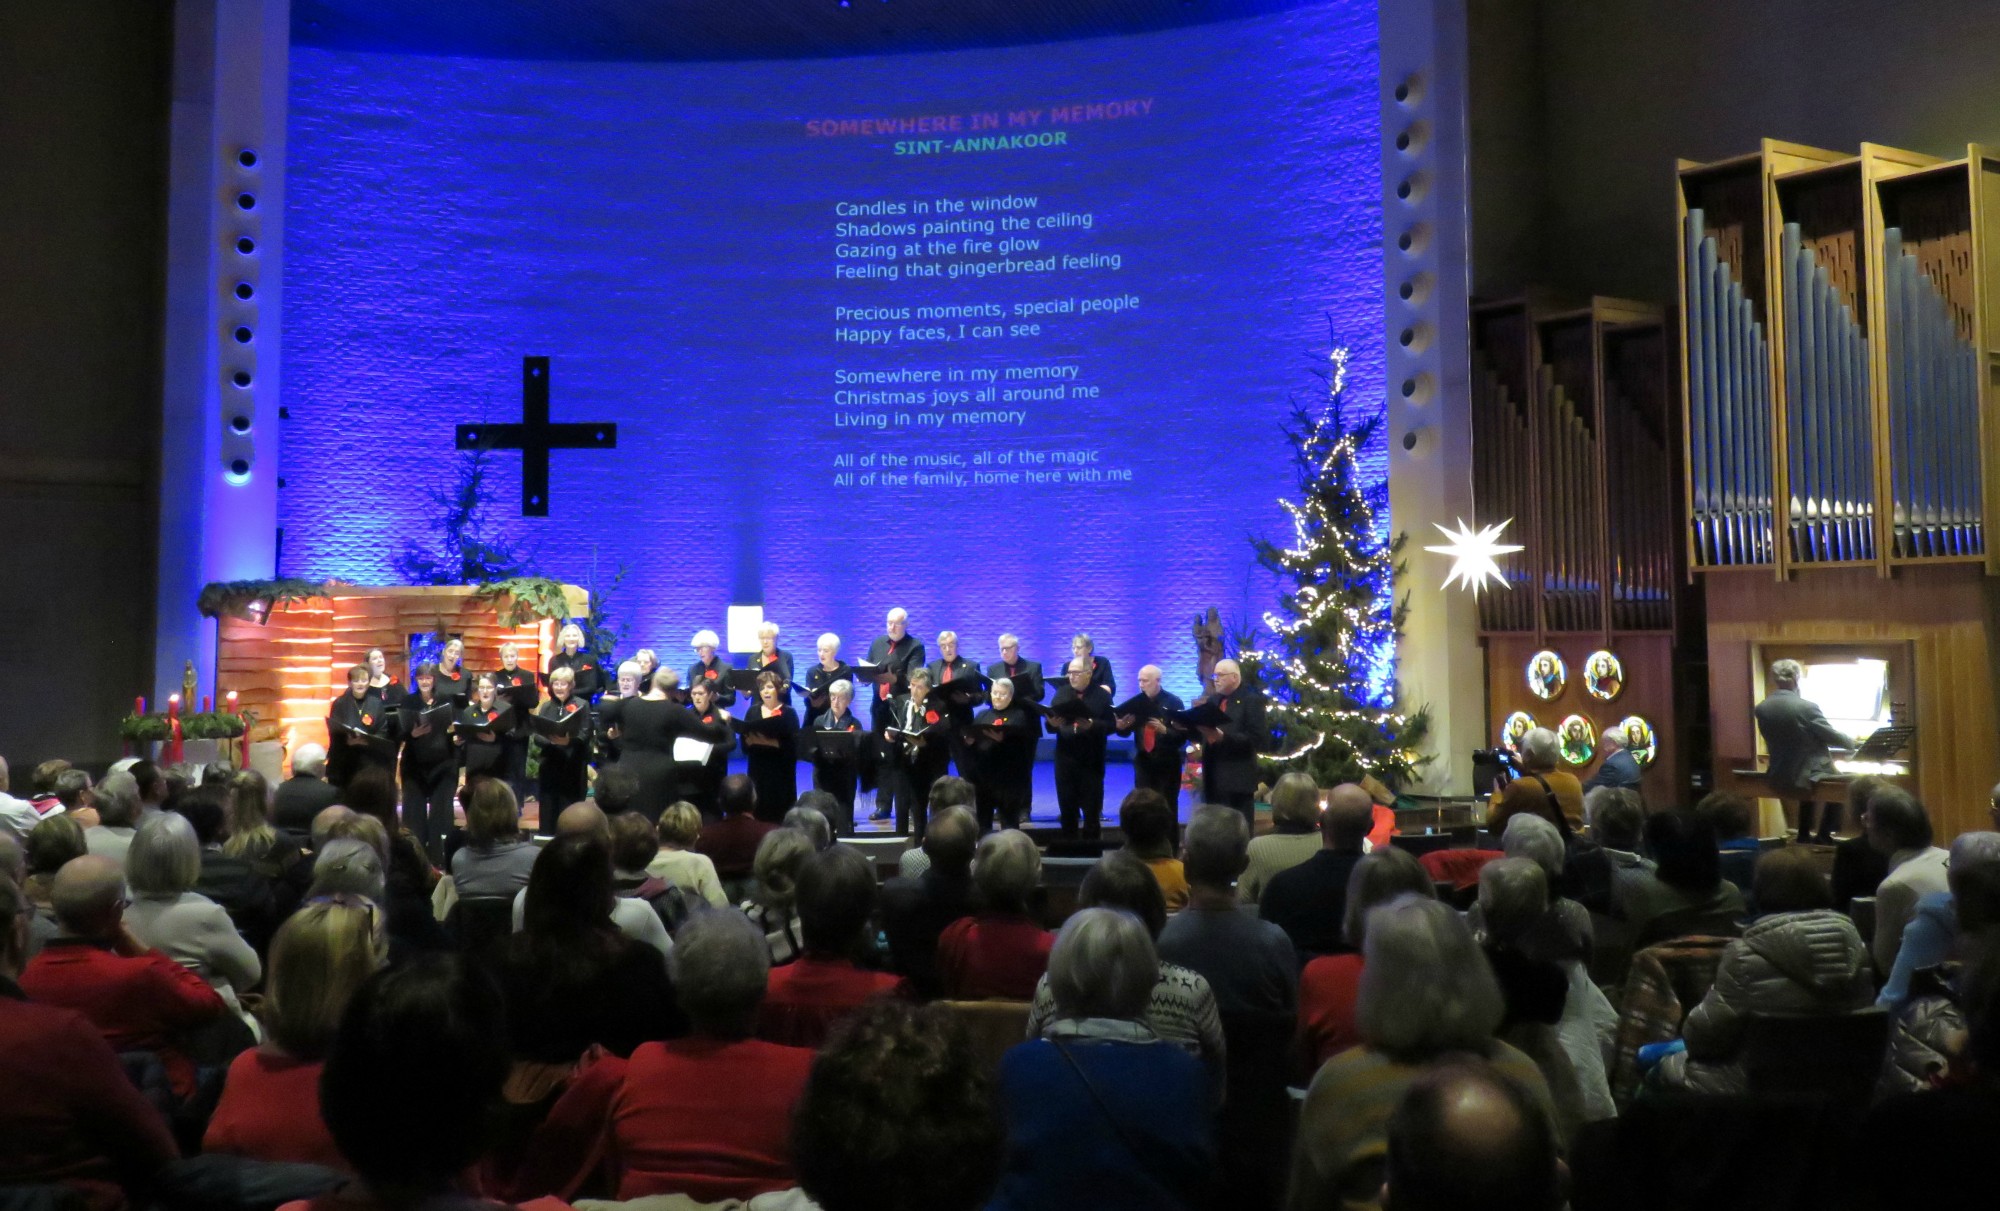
[
  {"x": 731, "y": 842},
  {"x": 70, "y": 1116},
  {"x": 708, "y": 1116},
  {"x": 1001, "y": 952},
  {"x": 1330, "y": 986},
  {"x": 270, "y": 1102},
  {"x": 140, "y": 999},
  {"x": 836, "y": 901}
]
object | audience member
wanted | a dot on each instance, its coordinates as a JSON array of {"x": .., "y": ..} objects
[
  {"x": 1000, "y": 951},
  {"x": 117, "y": 815},
  {"x": 812, "y": 822},
  {"x": 228, "y": 880},
  {"x": 18, "y": 817},
  {"x": 1598, "y": 872},
  {"x": 1900, "y": 829},
  {"x": 678, "y": 863},
  {"x": 1249, "y": 964},
  {"x": 1544, "y": 788},
  {"x": 1971, "y": 905},
  {"x": 731, "y": 842},
  {"x": 775, "y": 911},
  {"x": 14, "y": 869},
  {"x": 1513, "y": 901},
  {"x": 51, "y": 845},
  {"x": 836, "y": 901},
  {"x": 274, "y": 856},
  {"x": 496, "y": 858},
  {"x": 916, "y": 911},
  {"x": 167, "y": 914},
  {"x": 1100, "y": 1111},
  {"x": 70, "y": 1116},
  {"x": 349, "y": 866},
  {"x": 1617, "y": 768},
  {"x": 1800, "y": 959},
  {"x": 709, "y": 1116},
  {"x": 1734, "y": 819},
  {"x": 1857, "y": 868},
  {"x": 1686, "y": 891},
  {"x": 306, "y": 793},
  {"x": 154, "y": 787},
  {"x": 1307, "y": 900},
  {"x": 1427, "y": 996},
  {"x": 635, "y": 842},
  {"x": 1466, "y": 1137},
  {"x": 411, "y": 1090},
  {"x": 1182, "y": 1009},
  {"x": 269, "y": 1109},
  {"x": 1330, "y": 986},
  {"x": 139, "y": 998},
  {"x": 1147, "y": 820},
  {"x": 898, "y": 1114},
  {"x": 324, "y": 821},
  {"x": 1294, "y": 835},
  {"x": 948, "y": 791},
  {"x": 64, "y": 789},
  {"x": 1565, "y": 932},
  {"x": 635, "y": 920}
]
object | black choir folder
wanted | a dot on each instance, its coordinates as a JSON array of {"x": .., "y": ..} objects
[
  {"x": 1201, "y": 714},
  {"x": 756, "y": 723},
  {"x": 836, "y": 744},
  {"x": 1072, "y": 708},
  {"x": 961, "y": 690},
  {"x": 436, "y": 715},
  {"x": 570, "y": 725},
  {"x": 876, "y": 672},
  {"x": 1140, "y": 707}
]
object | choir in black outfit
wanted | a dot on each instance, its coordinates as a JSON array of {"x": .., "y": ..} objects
[
  {"x": 359, "y": 731},
  {"x": 916, "y": 741},
  {"x": 894, "y": 654},
  {"x": 711, "y": 670},
  {"x": 960, "y": 691},
  {"x": 837, "y": 744},
  {"x": 1083, "y": 647},
  {"x": 483, "y": 728},
  {"x": 770, "y": 658},
  {"x": 1025, "y": 674},
  {"x": 588, "y": 671},
  {"x": 430, "y": 762},
  {"x": 1159, "y": 745},
  {"x": 769, "y": 730},
  {"x": 1080, "y": 718},
  {"x": 387, "y": 688},
  {"x": 1001, "y": 744},
  {"x": 523, "y": 693},
  {"x": 454, "y": 684},
  {"x": 824, "y": 672},
  {"x": 701, "y": 784},
  {"x": 1229, "y": 753},
  {"x": 648, "y": 727},
  {"x": 565, "y": 749}
]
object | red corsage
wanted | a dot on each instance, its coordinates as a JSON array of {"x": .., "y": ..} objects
[
  {"x": 930, "y": 716},
  {"x": 569, "y": 707},
  {"x": 709, "y": 673},
  {"x": 368, "y": 721}
]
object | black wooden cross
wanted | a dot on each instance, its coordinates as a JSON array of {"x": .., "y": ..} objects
[{"x": 534, "y": 437}]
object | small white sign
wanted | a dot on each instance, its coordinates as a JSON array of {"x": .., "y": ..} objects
[{"x": 743, "y": 624}]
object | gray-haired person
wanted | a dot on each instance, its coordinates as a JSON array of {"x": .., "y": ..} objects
[{"x": 1799, "y": 740}]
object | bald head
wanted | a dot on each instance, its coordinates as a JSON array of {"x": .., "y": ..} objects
[
  {"x": 89, "y": 896},
  {"x": 584, "y": 820},
  {"x": 1350, "y": 814},
  {"x": 323, "y": 823},
  {"x": 1466, "y": 1138}
]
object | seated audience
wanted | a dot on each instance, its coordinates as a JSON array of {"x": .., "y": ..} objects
[
  {"x": 18, "y": 817},
  {"x": 1734, "y": 819},
  {"x": 1000, "y": 951},
  {"x": 571, "y": 977},
  {"x": 306, "y": 793},
  {"x": 1249, "y": 964},
  {"x": 1971, "y": 905},
  {"x": 1900, "y": 829},
  {"x": 916, "y": 911},
  {"x": 1565, "y": 931},
  {"x": 353, "y": 860},
  {"x": 678, "y": 863},
  {"x": 635, "y": 920},
  {"x": 731, "y": 842},
  {"x": 1100, "y": 1111},
  {"x": 1597, "y": 872},
  {"x": 1799, "y": 959},
  {"x": 167, "y": 914},
  {"x": 349, "y": 866},
  {"x": 946, "y": 792},
  {"x": 60, "y": 787},
  {"x": 270, "y": 1102},
  {"x": 836, "y": 901},
  {"x": 1330, "y": 986},
  {"x": 139, "y": 998},
  {"x": 1427, "y": 997},
  {"x": 70, "y": 1116},
  {"x": 897, "y": 1115},
  {"x": 496, "y": 858},
  {"x": 1466, "y": 1137},
  {"x": 1307, "y": 900},
  {"x": 228, "y": 880},
  {"x": 1148, "y": 823},
  {"x": 635, "y": 842},
  {"x": 811, "y": 820},
  {"x": 51, "y": 845},
  {"x": 1686, "y": 893},
  {"x": 276, "y": 857},
  {"x": 1857, "y": 869},
  {"x": 411, "y": 1090},
  {"x": 708, "y": 1116},
  {"x": 117, "y": 799},
  {"x": 14, "y": 868},
  {"x": 1544, "y": 788},
  {"x": 1617, "y": 769},
  {"x": 1182, "y": 1008},
  {"x": 1294, "y": 835},
  {"x": 372, "y": 792},
  {"x": 774, "y": 911},
  {"x": 324, "y": 821},
  {"x": 1566, "y": 1046}
]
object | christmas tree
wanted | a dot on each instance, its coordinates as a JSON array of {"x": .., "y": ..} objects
[{"x": 1329, "y": 667}]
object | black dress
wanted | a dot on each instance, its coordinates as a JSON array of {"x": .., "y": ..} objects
[
  {"x": 701, "y": 784},
  {"x": 774, "y": 771},
  {"x": 1003, "y": 758},
  {"x": 564, "y": 774},
  {"x": 484, "y": 735},
  {"x": 430, "y": 773},
  {"x": 590, "y": 680},
  {"x": 457, "y": 687},
  {"x": 715, "y": 673},
  {"x": 837, "y": 766},
  {"x": 350, "y": 753},
  {"x": 914, "y": 764},
  {"x": 647, "y": 729},
  {"x": 817, "y": 679},
  {"x": 524, "y": 693}
]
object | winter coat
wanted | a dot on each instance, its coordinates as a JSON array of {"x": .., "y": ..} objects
[
  {"x": 1927, "y": 1035},
  {"x": 1787, "y": 964}
]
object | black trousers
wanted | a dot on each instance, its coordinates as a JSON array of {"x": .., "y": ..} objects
[
  {"x": 1080, "y": 791},
  {"x": 1161, "y": 776},
  {"x": 515, "y": 762},
  {"x": 908, "y": 785},
  {"x": 563, "y": 780},
  {"x": 1829, "y": 820},
  {"x": 427, "y": 804},
  {"x": 838, "y": 780}
]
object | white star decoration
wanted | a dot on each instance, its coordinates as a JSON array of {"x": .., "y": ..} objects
[{"x": 1474, "y": 555}]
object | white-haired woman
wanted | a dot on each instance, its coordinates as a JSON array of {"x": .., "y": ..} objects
[
  {"x": 453, "y": 684},
  {"x": 1543, "y": 789},
  {"x": 829, "y": 669},
  {"x": 523, "y": 692},
  {"x": 161, "y": 870},
  {"x": 1099, "y": 1103},
  {"x": 1427, "y": 993},
  {"x": 587, "y": 673},
  {"x": 837, "y": 743},
  {"x": 565, "y": 750},
  {"x": 710, "y": 669},
  {"x": 647, "y": 661},
  {"x": 771, "y": 658}
]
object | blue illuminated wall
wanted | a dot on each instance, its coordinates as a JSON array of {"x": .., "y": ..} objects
[{"x": 665, "y": 233}]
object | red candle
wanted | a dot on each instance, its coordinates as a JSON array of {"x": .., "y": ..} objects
[
  {"x": 207, "y": 705},
  {"x": 139, "y": 706},
  {"x": 173, "y": 706}
]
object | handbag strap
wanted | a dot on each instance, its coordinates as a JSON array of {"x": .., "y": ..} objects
[
  {"x": 1117, "y": 1127},
  {"x": 1555, "y": 805}
]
